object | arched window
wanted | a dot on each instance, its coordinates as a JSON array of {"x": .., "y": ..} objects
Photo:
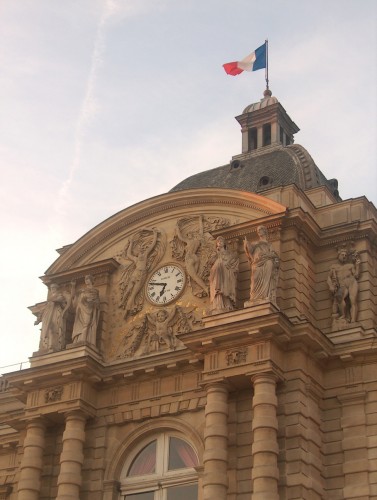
[{"x": 162, "y": 468}]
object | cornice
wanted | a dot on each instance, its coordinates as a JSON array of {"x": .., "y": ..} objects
[
  {"x": 153, "y": 207},
  {"x": 272, "y": 223},
  {"x": 84, "y": 363},
  {"x": 107, "y": 266}
]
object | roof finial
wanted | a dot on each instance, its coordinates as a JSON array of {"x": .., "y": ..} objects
[{"x": 267, "y": 93}]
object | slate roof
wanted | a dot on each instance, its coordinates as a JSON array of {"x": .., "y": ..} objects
[{"x": 263, "y": 169}]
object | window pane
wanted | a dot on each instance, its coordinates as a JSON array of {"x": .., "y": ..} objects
[
  {"x": 181, "y": 454},
  {"x": 145, "y": 462},
  {"x": 188, "y": 492},
  {"x": 148, "y": 495}
]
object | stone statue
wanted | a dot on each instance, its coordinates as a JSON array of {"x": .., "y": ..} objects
[
  {"x": 87, "y": 309},
  {"x": 157, "y": 331},
  {"x": 132, "y": 340},
  {"x": 192, "y": 241},
  {"x": 343, "y": 285},
  {"x": 161, "y": 321},
  {"x": 264, "y": 263},
  {"x": 223, "y": 278},
  {"x": 53, "y": 318},
  {"x": 138, "y": 251}
]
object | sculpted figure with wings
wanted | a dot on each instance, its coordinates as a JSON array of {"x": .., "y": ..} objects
[
  {"x": 187, "y": 245},
  {"x": 144, "y": 249}
]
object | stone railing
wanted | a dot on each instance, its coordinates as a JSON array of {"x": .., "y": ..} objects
[{"x": 4, "y": 385}]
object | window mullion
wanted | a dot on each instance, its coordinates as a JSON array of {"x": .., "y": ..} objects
[{"x": 165, "y": 457}]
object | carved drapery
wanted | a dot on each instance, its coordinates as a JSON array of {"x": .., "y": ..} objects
[
  {"x": 264, "y": 263},
  {"x": 223, "y": 278}
]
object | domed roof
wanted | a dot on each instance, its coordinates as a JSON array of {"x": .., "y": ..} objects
[
  {"x": 271, "y": 167},
  {"x": 267, "y": 100},
  {"x": 269, "y": 158}
]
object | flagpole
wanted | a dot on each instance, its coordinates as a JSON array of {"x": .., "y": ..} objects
[{"x": 266, "y": 71}]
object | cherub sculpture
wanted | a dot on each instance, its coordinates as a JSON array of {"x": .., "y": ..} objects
[{"x": 161, "y": 321}]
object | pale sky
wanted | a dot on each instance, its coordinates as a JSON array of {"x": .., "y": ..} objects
[{"x": 104, "y": 103}]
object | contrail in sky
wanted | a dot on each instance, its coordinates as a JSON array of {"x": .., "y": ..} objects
[{"x": 88, "y": 107}]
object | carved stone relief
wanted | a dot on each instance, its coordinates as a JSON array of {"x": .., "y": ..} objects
[
  {"x": 157, "y": 331},
  {"x": 193, "y": 245},
  {"x": 54, "y": 394},
  {"x": 236, "y": 356},
  {"x": 143, "y": 250},
  {"x": 343, "y": 284},
  {"x": 137, "y": 323},
  {"x": 264, "y": 263}
]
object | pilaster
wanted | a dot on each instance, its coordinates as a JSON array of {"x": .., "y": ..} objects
[{"x": 355, "y": 446}]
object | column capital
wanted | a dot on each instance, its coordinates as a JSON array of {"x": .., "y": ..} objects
[
  {"x": 222, "y": 384},
  {"x": 38, "y": 421},
  {"x": 76, "y": 414},
  {"x": 265, "y": 377}
]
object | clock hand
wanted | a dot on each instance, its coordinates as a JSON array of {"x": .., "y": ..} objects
[
  {"x": 163, "y": 290},
  {"x": 159, "y": 284}
]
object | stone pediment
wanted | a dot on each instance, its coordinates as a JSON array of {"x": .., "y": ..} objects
[
  {"x": 150, "y": 265},
  {"x": 245, "y": 206}
]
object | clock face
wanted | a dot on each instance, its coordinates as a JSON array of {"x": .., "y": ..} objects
[{"x": 165, "y": 284}]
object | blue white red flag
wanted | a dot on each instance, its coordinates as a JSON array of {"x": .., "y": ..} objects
[{"x": 254, "y": 61}]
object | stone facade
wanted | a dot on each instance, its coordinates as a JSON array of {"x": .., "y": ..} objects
[{"x": 267, "y": 399}]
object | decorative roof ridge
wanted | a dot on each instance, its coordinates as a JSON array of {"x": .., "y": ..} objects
[
  {"x": 258, "y": 152},
  {"x": 308, "y": 169}
]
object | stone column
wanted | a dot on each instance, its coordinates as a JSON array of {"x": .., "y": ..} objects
[
  {"x": 72, "y": 457},
  {"x": 275, "y": 133},
  {"x": 215, "y": 458},
  {"x": 29, "y": 485},
  {"x": 245, "y": 141},
  {"x": 259, "y": 137},
  {"x": 265, "y": 447}
]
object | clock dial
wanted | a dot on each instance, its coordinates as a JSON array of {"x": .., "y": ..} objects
[{"x": 165, "y": 284}]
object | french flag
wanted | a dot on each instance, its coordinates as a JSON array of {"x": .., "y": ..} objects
[{"x": 254, "y": 61}]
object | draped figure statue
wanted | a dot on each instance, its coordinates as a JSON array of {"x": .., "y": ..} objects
[
  {"x": 264, "y": 262},
  {"x": 223, "y": 279},
  {"x": 87, "y": 308},
  {"x": 53, "y": 318}
]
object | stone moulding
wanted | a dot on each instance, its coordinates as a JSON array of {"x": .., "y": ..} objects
[{"x": 132, "y": 216}]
